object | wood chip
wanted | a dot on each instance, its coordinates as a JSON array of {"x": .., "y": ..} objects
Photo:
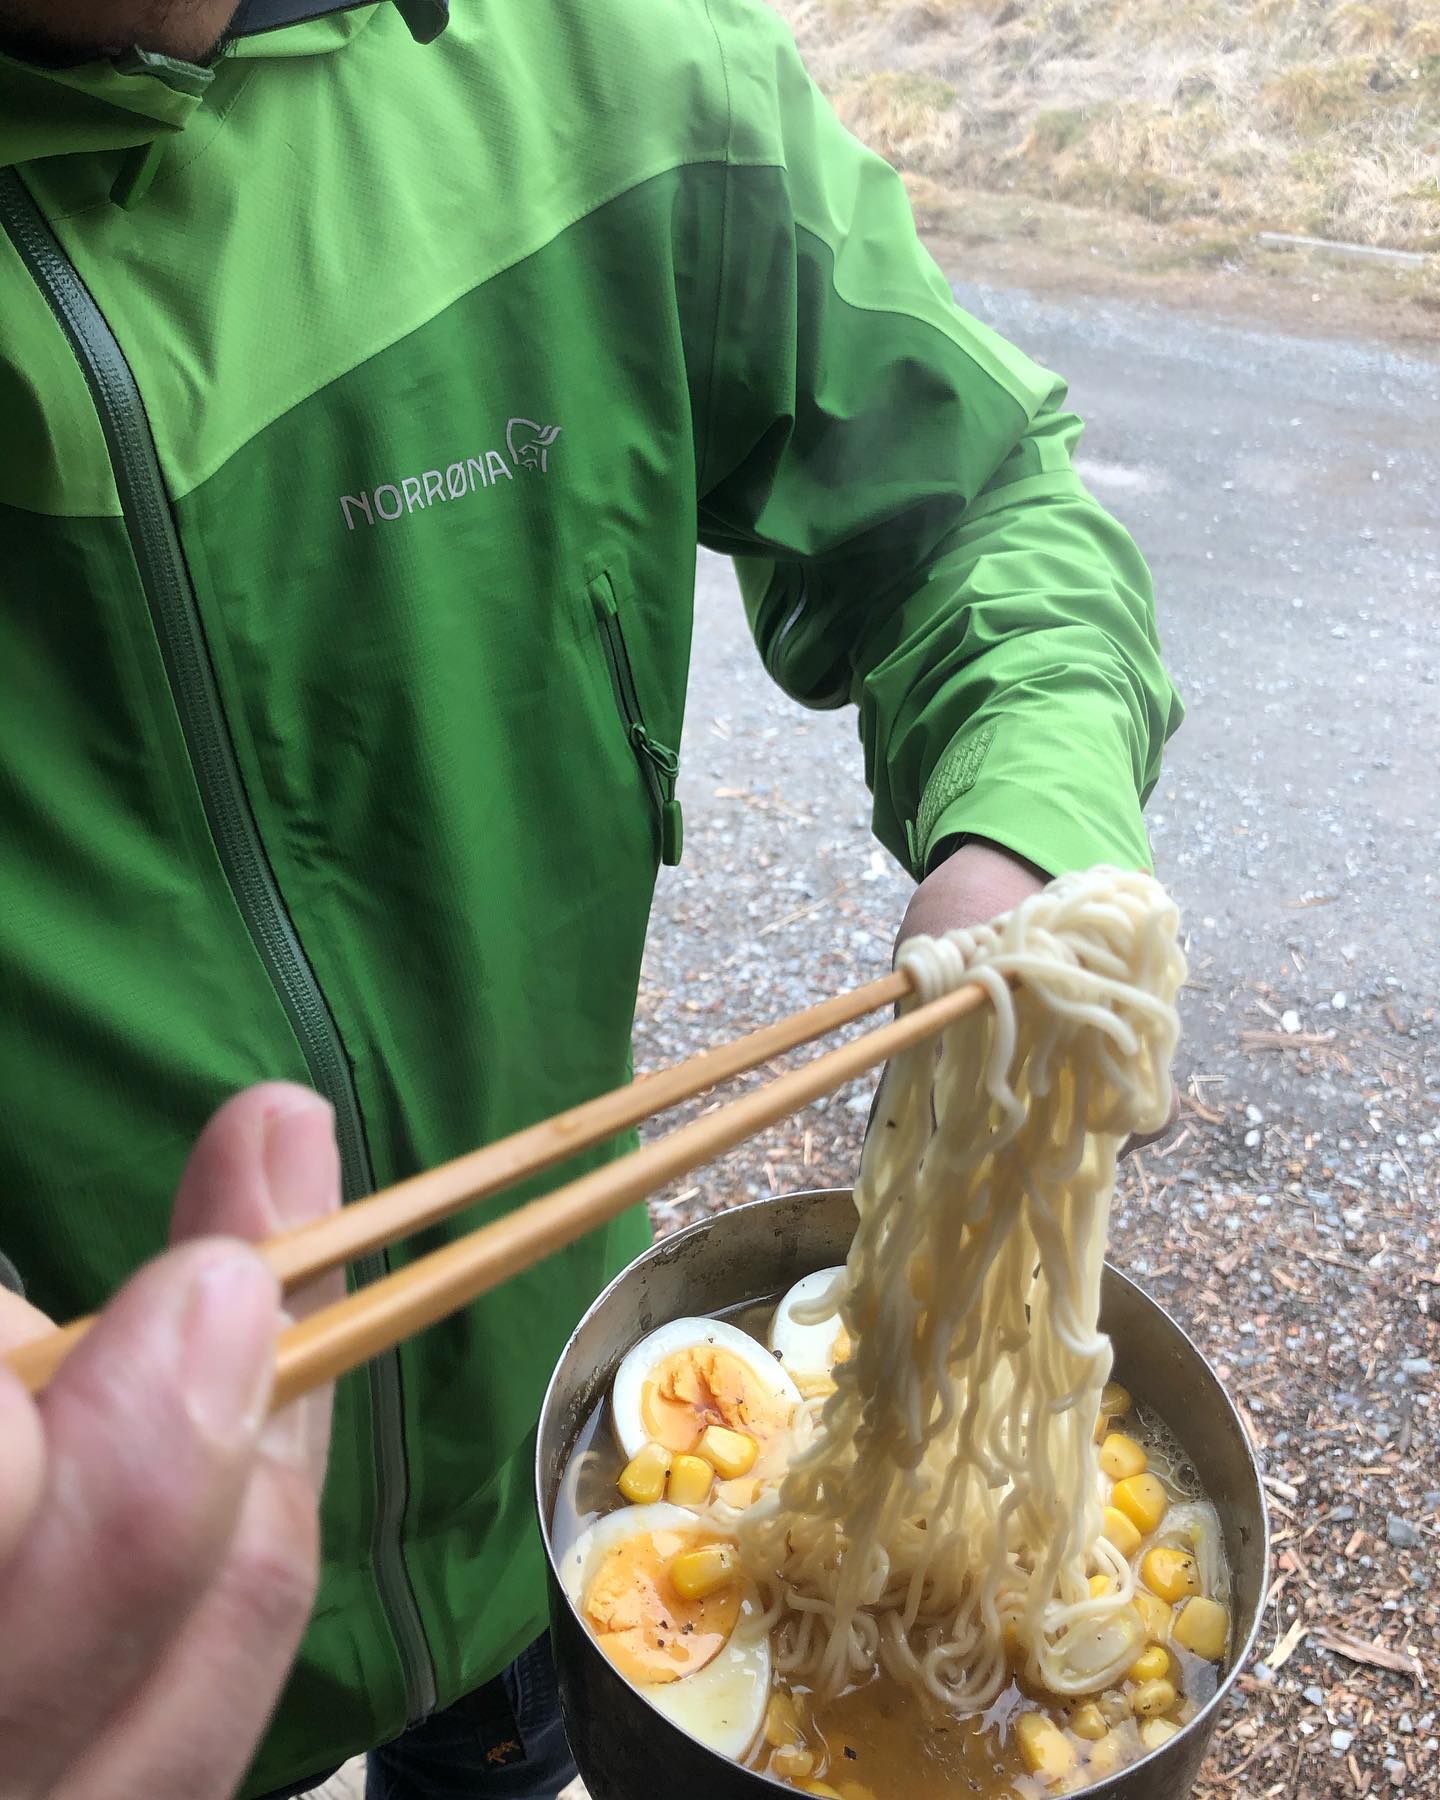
[
  {"x": 1374, "y": 1655},
  {"x": 1286, "y": 1040},
  {"x": 1288, "y": 1644}
]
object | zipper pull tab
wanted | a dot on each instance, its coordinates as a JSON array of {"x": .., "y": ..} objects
[
  {"x": 672, "y": 833},
  {"x": 661, "y": 758},
  {"x": 667, "y": 765}
]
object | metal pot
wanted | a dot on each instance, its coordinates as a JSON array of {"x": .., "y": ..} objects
[{"x": 628, "y": 1751}]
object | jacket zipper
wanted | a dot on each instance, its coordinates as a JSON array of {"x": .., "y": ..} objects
[
  {"x": 659, "y": 765},
  {"x": 165, "y": 580}
]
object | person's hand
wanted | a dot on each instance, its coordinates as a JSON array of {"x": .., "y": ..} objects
[
  {"x": 979, "y": 881},
  {"x": 158, "y": 1539}
]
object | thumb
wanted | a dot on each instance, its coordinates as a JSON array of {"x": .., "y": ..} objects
[{"x": 266, "y": 1162}]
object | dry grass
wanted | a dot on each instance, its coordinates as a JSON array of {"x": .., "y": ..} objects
[{"x": 1291, "y": 115}]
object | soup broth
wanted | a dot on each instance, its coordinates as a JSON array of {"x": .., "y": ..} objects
[{"x": 879, "y": 1740}]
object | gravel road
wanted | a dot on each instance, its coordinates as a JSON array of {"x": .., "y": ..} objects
[{"x": 1284, "y": 491}]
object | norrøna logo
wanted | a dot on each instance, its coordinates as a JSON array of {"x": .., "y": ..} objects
[
  {"x": 529, "y": 447},
  {"x": 529, "y": 443}
]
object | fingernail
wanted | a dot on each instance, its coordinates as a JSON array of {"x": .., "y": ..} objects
[
  {"x": 286, "y": 1438},
  {"x": 301, "y": 1161},
  {"x": 228, "y": 1340},
  {"x": 286, "y": 1435}
]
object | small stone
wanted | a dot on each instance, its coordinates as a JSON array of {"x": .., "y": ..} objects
[
  {"x": 1290, "y": 1021},
  {"x": 1416, "y": 1365},
  {"x": 1397, "y": 1771},
  {"x": 1342, "y": 1515},
  {"x": 1401, "y": 1533},
  {"x": 1432, "y": 1499},
  {"x": 1254, "y": 1115},
  {"x": 1338, "y": 1002},
  {"x": 1252, "y": 1140},
  {"x": 1341, "y": 1740},
  {"x": 1315, "y": 1695}
]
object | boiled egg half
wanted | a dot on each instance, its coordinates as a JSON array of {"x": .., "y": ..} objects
[
  {"x": 809, "y": 1352},
  {"x": 695, "y": 1373},
  {"x": 703, "y": 1662}
]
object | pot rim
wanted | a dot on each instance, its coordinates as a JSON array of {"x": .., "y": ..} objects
[{"x": 1203, "y": 1721}]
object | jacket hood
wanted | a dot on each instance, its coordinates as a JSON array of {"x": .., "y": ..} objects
[{"x": 138, "y": 98}]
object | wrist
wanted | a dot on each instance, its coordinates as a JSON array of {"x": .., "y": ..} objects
[{"x": 975, "y": 880}]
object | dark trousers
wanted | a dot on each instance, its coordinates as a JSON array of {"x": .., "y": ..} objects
[{"x": 503, "y": 1742}]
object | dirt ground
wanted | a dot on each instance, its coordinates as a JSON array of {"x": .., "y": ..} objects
[{"x": 1080, "y": 253}]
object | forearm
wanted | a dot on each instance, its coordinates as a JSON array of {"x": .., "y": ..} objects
[{"x": 1018, "y": 695}]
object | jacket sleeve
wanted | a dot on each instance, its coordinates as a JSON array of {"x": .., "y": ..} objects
[{"x": 895, "y": 484}]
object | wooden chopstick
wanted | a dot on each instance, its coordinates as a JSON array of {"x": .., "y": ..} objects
[
  {"x": 408, "y": 1206},
  {"x": 398, "y": 1211},
  {"x": 375, "y": 1318}
]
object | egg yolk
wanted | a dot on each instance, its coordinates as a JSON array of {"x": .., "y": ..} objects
[
  {"x": 647, "y": 1629},
  {"x": 701, "y": 1386}
]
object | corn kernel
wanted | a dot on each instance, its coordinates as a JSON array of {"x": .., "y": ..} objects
[
  {"x": 1044, "y": 1747},
  {"x": 1152, "y": 1698},
  {"x": 792, "y": 1762},
  {"x": 1113, "y": 1706},
  {"x": 1106, "y": 1757},
  {"x": 689, "y": 1481},
  {"x": 1142, "y": 1499},
  {"x": 1155, "y": 1732},
  {"x": 1115, "y": 1400},
  {"x": 1172, "y": 1574},
  {"x": 729, "y": 1453},
  {"x": 741, "y": 1493},
  {"x": 1203, "y": 1626},
  {"x": 819, "y": 1787},
  {"x": 1155, "y": 1616},
  {"x": 1121, "y": 1532},
  {"x": 1100, "y": 1584},
  {"x": 696, "y": 1574},
  {"x": 1088, "y": 1722},
  {"x": 782, "y": 1721},
  {"x": 1150, "y": 1664},
  {"x": 1121, "y": 1456},
  {"x": 642, "y": 1480}
]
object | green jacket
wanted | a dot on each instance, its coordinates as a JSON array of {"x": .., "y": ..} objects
[{"x": 361, "y": 403}]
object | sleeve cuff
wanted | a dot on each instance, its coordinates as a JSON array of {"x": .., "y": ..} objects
[{"x": 1059, "y": 807}]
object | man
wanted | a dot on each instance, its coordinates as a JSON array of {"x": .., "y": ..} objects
[{"x": 367, "y": 383}]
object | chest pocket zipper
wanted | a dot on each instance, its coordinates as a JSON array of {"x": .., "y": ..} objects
[{"x": 659, "y": 765}]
